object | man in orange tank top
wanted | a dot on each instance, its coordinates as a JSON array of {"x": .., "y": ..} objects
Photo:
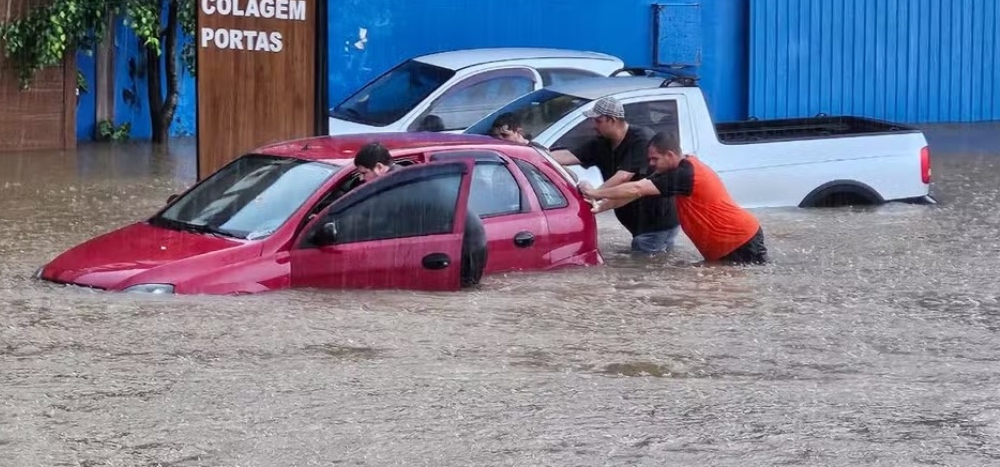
[{"x": 718, "y": 227}]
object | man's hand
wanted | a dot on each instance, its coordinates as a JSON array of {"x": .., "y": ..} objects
[
  {"x": 601, "y": 206},
  {"x": 585, "y": 189}
]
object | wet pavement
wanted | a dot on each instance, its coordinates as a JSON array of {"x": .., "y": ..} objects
[{"x": 870, "y": 340}]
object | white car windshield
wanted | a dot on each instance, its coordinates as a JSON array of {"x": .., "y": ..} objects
[
  {"x": 537, "y": 111},
  {"x": 392, "y": 95},
  {"x": 249, "y": 198}
]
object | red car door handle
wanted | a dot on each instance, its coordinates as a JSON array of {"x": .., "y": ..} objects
[
  {"x": 436, "y": 261},
  {"x": 524, "y": 239}
]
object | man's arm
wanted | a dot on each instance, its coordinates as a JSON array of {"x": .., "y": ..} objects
[
  {"x": 625, "y": 192},
  {"x": 677, "y": 181},
  {"x": 564, "y": 157},
  {"x": 584, "y": 154},
  {"x": 608, "y": 204},
  {"x": 618, "y": 178}
]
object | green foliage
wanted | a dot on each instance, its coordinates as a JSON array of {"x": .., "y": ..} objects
[
  {"x": 187, "y": 15},
  {"x": 81, "y": 82},
  {"x": 107, "y": 131},
  {"x": 44, "y": 36}
]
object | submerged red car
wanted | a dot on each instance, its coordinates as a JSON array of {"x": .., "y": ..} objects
[{"x": 296, "y": 215}]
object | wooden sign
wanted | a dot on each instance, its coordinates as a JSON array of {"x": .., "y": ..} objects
[{"x": 260, "y": 75}]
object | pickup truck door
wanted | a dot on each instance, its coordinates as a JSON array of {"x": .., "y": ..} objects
[
  {"x": 402, "y": 231},
  {"x": 472, "y": 97}
]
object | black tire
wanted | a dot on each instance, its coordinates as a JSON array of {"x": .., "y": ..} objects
[
  {"x": 474, "y": 251},
  {"x": 842, "y": 193}
]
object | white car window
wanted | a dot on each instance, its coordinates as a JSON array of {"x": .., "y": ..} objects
[
  {"x": 552, "y": 76},
  {"x": 472, "y": 99}
]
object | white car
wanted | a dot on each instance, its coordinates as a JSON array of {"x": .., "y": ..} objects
[
  {"x": 804, "y": 162},
  {"x": 448, "y": 91}
]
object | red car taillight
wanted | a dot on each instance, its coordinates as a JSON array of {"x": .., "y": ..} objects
[{"x": 925, "y": 165}]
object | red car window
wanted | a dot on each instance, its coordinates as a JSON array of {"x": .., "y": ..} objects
[
  {"x": 548, "y": 193},
  {"x": 423, "y": 207}
]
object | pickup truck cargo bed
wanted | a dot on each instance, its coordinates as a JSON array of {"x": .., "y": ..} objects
[{"x": 757, "y": 131}]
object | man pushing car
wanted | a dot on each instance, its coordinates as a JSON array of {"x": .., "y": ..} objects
[
  {"x": 619, "y": 150},
  {"x": 718, "y": 227}
]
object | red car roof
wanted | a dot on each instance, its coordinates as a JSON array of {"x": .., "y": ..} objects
[{"x": 345, "y": 146}]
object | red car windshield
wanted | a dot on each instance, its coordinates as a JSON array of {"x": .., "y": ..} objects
[{"x": 249, "y": 198}]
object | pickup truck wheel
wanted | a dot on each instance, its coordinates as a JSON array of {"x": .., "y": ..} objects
[
  {"x": 841, "y": 193},
  {"x": 474, "y": 250}
]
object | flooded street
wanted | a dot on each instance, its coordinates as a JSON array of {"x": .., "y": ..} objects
[{"x": 872, "y": 339}]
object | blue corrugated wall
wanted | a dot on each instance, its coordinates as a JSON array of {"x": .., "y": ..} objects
[
  {"x": 911, "y": 61},
  {"x": 400, "y": 29}
]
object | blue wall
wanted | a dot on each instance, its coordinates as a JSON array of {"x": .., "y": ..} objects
[
  {"x": 400, "y": 29},
  {"x": 85, "y": 104},
  {"x": 914, "y": 61},
  {"x": 131, "y": 97}
]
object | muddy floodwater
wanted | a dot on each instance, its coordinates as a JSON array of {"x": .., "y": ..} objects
[{"x": 872, "y": 339}]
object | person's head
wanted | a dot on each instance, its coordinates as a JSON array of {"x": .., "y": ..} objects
[
  {"x": 372, "y": 161},
  {"x": 664, "y": 151},
  {"x": 608, "y": 118},
  {"x": 508, "y": 127},
  {"x": 432, "y": 123}
]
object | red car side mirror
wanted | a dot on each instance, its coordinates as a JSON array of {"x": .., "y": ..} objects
[{"x": 326, "y": 235}]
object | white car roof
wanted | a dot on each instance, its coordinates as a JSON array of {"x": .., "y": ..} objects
[
  {"x": 458, "y": 59},
  {"x": 598, "y": 87}
]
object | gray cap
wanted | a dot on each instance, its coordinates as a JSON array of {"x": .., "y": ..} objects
[{"x": 606, "y": 106}]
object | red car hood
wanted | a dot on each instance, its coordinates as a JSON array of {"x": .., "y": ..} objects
[{"x": 108, "y": 261}]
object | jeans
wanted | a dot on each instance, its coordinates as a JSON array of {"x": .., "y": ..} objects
[
  {"x": 752, "y": 252},
  {"x": 655, "y": 242}
]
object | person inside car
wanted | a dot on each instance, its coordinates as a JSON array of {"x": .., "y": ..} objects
[
  {"x": 432, "y": 123},
  {"x": 718, "y": 227},
  {"x": 373, "y": 160},
  {"x": 507, "y": 126},
  {"x": 619, "y": 151}
]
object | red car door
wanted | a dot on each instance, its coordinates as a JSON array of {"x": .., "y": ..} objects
[
  {"x": 403, "y": 230},
  {"x": 516, "y": 231}
]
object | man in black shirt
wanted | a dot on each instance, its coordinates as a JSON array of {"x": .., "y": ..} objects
[{"x": 619, "y": 152}]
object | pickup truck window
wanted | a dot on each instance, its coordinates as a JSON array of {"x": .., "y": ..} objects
[
  {"x": 537, "y": 111},
  {"x": 658, "y": 115}
]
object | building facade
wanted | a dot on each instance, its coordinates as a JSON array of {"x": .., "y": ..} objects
[{"x": 912, "y": 61}]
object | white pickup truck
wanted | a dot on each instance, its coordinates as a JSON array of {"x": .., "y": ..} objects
[{"x": 805, "y": 162}]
